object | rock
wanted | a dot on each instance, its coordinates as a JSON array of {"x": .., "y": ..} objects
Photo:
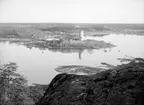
[
  {"x": 79, "y": 69},
  {"x": 123, "y": 85}
]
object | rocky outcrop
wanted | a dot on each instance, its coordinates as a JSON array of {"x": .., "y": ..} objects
[{"x": 123, "y": 85}]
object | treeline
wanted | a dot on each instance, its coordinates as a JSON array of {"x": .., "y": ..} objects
[
  {"x": 22, "y": 32},
  {"x": 40, "y": 32},
  {"x": 43, "y": 31},
  {"x": 14, "y": 89}
]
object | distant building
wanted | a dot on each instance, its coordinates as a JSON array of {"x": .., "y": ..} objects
[
  {"x": 53, "y": 38},
  {"x": 77, "y": 26}
]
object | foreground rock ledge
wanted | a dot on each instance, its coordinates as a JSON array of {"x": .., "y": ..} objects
[{"x": 123, "y": 85}]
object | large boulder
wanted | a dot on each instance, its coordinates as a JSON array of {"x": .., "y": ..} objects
[{"x": 123, "y": 85}]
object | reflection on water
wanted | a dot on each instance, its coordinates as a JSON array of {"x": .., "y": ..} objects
[
  {"x": 77, "y": 51},
  {"x": 38, "y": 64}
]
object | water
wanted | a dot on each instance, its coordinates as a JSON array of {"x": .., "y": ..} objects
[{"x": 38, "y": 65}]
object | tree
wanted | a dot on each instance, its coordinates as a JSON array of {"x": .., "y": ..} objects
[
  {"x": 37, "y": 91},
  {"x": 13, "y": 86}
]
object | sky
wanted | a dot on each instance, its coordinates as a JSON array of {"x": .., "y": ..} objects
[{"x": 72, "y": 11}]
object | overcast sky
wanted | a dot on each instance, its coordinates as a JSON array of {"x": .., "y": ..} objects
[{"x": 72, "y": 11}]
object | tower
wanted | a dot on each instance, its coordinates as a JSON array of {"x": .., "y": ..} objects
[{"x": 82, "y": 35}]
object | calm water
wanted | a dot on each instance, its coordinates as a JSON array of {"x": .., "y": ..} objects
[{"x": 38, "y": 65}]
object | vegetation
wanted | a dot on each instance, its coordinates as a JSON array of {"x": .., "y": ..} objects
[
  {"x": 37, "y": 91},
  {"x": 71, "y": 44},
  {"x": 14, "y": 89},
  {"x": 89, "y": 44},
  {"x": 43, "y": 31}
]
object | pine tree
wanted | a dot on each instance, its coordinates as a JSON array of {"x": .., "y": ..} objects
[{"x": 13, "y": 86}]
